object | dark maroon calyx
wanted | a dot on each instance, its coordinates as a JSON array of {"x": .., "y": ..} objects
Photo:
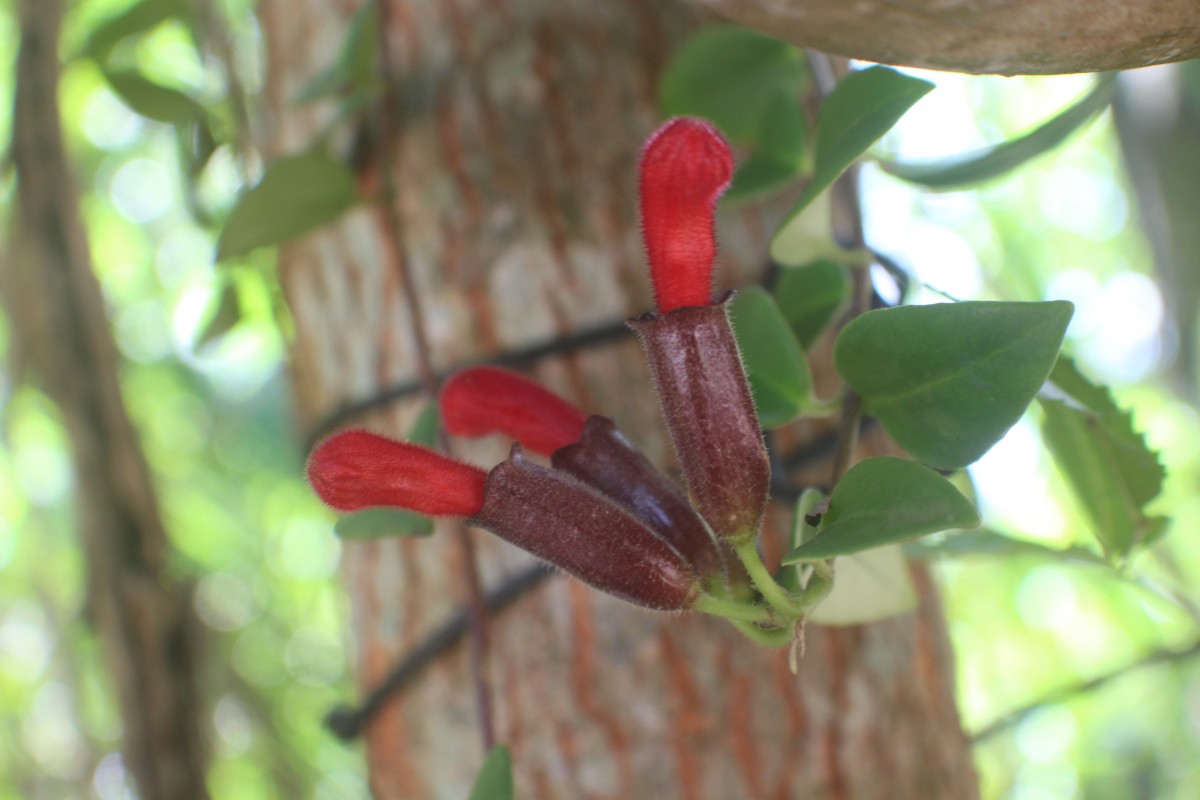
[
  {"x": 606, "y": 460},
  {"x": 709, "y": 413},
  {"x": 573, "y": 526}
]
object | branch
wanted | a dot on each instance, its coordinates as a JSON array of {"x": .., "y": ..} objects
[
  {"x": 1014, "y": 717},
  {"x": 347, "y": 723},
  {"x": 1008, "y": 37}
]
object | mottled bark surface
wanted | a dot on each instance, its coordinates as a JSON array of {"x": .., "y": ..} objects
[
  {"x": 142, "y": 616},
  {"x": 1009, "y": 37},
  {"x": 520, "y": 129}
]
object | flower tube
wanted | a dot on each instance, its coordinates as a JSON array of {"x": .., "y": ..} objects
[
  {"x": 543, "y": 511},
  {"x": 693, "y": 355}
]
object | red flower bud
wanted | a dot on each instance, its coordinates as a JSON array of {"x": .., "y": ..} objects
[
  {"x": 709, "y": 412},
  {"x": 576, "y": 528},
  {"x": 483, "y": 400},
  {"x": 685, "y": 167},
  {"x": 605, "y": 459},
  {"x": 354, "y": 470}
]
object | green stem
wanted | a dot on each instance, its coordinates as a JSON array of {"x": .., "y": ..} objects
[
  {"x": 819, "y": 587},
  {"x": 772, "y": 592},
  {"x": 767, "y": 637},
  {"x": 732, "y": 610}
]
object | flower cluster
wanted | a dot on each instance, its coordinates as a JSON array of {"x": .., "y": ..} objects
[{"x": 601, "y": 511}]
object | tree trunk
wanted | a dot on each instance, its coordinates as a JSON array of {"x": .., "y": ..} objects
[
  {"x": 142, "y": 616},
  {"x": 519, "y": 127}
]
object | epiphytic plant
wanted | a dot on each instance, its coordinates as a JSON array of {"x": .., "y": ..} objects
[{"x": 602, "y": 511}]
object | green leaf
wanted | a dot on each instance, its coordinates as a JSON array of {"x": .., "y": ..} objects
[
  {"x": 424, "y": 430},
  {"x": 731, "y": 76},
  {"x": 775, "y": 364},
  {"x": 1005, "y": 157},
  {"x": 987, "y": 543},
  {"x": 296, "y": 195},
  {"x": 948, "y": 380},
  {"x": 228, "y": 313},
  {"x": 495, "y": 781},
  {"x": 868, "y": 587},
  {"x": 778, "y": 154},
  {"x": 885, "y": 501},
  {"x": 811, "y": 296},
  {"x": 382, "y": 523},
  {"x": 138, "y": 18},
  {"x": 861, "y": 108},
  {"x": 1109, "y": 468},
  {"x": 1140, "y": 473},
  {"x": 153, "y": 100},
  {"x": 803, "y": 530},
  {"x": 354, "y": 68}
]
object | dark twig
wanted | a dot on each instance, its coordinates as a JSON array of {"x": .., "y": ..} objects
[
  {"x": 1012, "y": 718},
  {"x": 347, "y": 723}
]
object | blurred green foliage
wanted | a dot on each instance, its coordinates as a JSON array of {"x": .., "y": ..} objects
[
  {"x": 210, "y": 401},
  {"x": 216, "y": 426}
]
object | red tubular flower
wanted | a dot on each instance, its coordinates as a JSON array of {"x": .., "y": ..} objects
[
  {"x": 354, "y": 470},
  {"x": 689, "y": 344},
  {"x": 686, "y": 166},
  {"x": 483, "y": 400}
]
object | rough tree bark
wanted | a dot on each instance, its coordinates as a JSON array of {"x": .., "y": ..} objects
[
  {"x": 1008, "y": 37},
  {"x": 519, "y": 129},
  {"x": 142, "y": 617}
]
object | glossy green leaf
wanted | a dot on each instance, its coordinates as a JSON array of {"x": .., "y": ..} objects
[
  {"x": 354, "y": 68},
  {"x": 1109, "y": 468},
  {"x": 868, "y": 587},
  {"x": 296, "y": 195},
  {"x": 382, "y": 523},
  {"x": 775, "y": 363},
  {"x": 153, "y": 100},
  {"x": 948, "y": 380},
  {"x": 811, "y": 296},
  {"x": 885, "y": 501},
  {"x": 778, "y": 154},
  {"x": 495, "y": 781},
  {"x": 138, "y": 18},
  {"x": 731, "y": 75},
  {"x": 863, "y": 107},
  {"x": 965, "y": 170}
]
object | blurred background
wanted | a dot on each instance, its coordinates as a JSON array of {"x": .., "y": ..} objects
[{"x": 1079, "y": 680}]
